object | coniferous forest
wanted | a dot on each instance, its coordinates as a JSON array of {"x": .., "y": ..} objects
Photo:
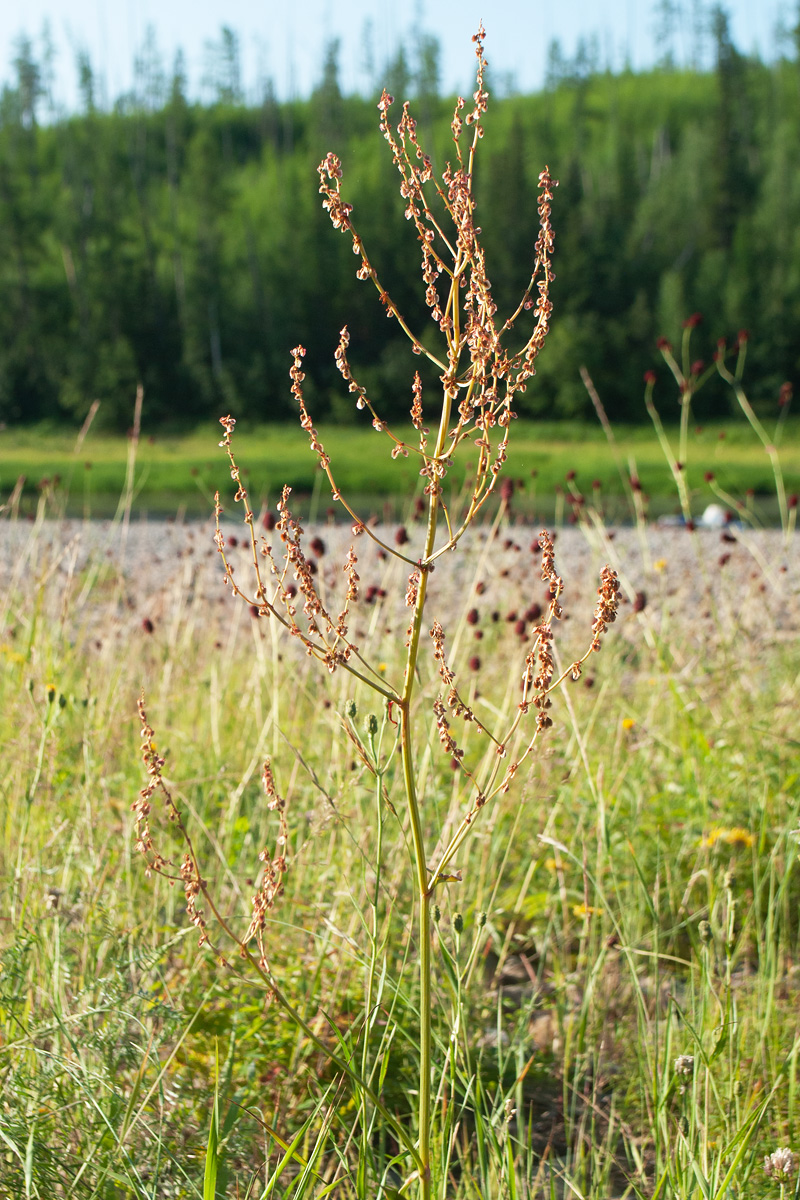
[{"x": 183, "y": 244}]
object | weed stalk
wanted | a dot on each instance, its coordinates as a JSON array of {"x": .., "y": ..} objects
[{"x": 481, "y": 377}]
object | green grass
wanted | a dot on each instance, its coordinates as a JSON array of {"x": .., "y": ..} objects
[
  {"x": 669, "y": 794},
  {"x": 184, "y": 471}
]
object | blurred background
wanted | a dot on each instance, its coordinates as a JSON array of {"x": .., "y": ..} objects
[{"x": 160, "y": 221}]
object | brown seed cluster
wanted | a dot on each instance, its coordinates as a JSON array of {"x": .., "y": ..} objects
[
  {"x": 324, "y": 635},
  {"x": 188, "y": 872},
  {"x": 480, "y": 377},
  {"x": 607, "y": 605},
  {"x": 437, "y": 638},
  {"x": 273, "y": 872}
]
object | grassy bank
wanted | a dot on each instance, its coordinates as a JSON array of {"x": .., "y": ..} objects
[{"x": 184, "y": 471}]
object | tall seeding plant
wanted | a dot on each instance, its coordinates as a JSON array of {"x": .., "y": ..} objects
[{"x": 481, "y": 376}]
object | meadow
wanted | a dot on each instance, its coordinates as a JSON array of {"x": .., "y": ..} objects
[
  {"x": 657, "y": 919},
  {"x": 427, "y": 849},
  {"x": 179, "y": 475}
]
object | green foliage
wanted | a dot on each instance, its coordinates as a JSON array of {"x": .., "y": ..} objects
[
  {"x": 177, "y": 470},
  {"x": 183, "y": 245}
]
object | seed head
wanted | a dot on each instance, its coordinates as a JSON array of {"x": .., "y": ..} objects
[{"x": 781, "y": 1164}]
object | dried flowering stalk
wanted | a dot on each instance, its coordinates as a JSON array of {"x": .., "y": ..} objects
[
  {"x": 480, "y": 379},
  {"x": 189, "y": 874}
]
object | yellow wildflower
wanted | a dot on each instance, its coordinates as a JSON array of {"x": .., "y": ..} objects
[
  {"x": 736, "y": 836},
  {"x": 628, "y": 724},
  {"x": 585, "y": 910}
]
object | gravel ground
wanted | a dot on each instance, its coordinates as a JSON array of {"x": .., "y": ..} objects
[{"x": 747, "y": 582}]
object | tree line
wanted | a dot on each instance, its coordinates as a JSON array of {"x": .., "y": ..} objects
[{"x": 183, "y": 245}]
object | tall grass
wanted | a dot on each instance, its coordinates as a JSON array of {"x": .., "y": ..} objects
[{"x": 592, "y": 972}]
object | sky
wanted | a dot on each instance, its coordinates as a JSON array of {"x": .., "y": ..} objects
[{"x": 285, "y": 41}]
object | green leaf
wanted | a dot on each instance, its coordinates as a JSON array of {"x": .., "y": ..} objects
[{"x": 212, "y": 1153}]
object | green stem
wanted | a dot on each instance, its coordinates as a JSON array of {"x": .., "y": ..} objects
[
  {"x": 424, "y": 1100},
  {"x": 29, "y": 799},
  {"x": 373, "y": 957},
  {"x": 406, "y": 749}
]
